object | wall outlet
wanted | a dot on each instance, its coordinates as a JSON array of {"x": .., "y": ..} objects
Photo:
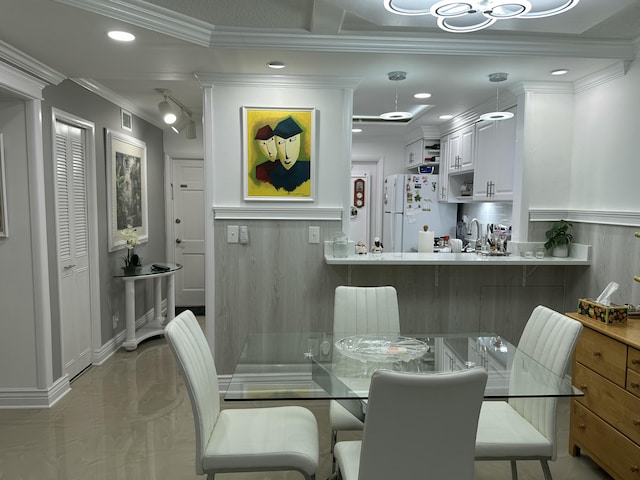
[
  {"x": 232, "y": 233},
  {"x": 314, "y": 234},
  {"x": 244, "y": 234},
  {"x": 115, "y": 319}
]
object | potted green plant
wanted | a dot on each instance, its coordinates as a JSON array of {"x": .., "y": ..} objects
[{"x": 559, "y": 238}]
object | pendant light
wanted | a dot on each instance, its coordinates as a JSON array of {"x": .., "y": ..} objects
[
  {"x": 497, "y": 115},
  {"x": 396, "y": 115}
]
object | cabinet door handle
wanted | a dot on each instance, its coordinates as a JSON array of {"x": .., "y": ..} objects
[
  {"x": 582, "y": 426},
  {"x": 636, "y": 422},
  {"x": 635, "y": 361},
  {"x": 596, "y": 354},
  {"x": 583, "y": 387},
  {"x": 635, "y": 384},
  {"x": 634, "y": 468}
]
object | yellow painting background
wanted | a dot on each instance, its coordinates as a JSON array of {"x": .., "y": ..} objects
[{"x": 256, "y": 119}]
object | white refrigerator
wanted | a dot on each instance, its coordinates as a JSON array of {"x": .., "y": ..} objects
[{"x": 411, "y": 201}]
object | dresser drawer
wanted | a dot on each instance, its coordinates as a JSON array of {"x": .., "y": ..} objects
[
  {"x": 615, "y": 452},
  {"x": 633, "y": 382},
  {"x": 613, "y": 404},
  {"x": 633, "y": 359},
  {"x": 603, "y": 354}
]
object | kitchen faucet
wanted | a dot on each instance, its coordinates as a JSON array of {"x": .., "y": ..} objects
[{"x": 478, "y": 240}]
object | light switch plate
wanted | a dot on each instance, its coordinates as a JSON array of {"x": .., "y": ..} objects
[
  {"x": 314, "y": 234},
  {"x": 244, "y": 234},
  {"x": 232, "y": 233}
]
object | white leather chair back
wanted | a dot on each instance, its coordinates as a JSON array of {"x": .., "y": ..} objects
[
  {"x": 193, "y": 355},
  {"x": 421, "y": 426},
  {"x": 550, "y": 338},
  {"x": 365, "y": 310}
]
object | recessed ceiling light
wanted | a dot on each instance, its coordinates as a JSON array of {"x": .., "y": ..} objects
[
  {"x": 445, "y": 117},
  {"x": 422, "y": 95},
  {"x": 121, "y": 36},
  {"x": 356, "y": 130},
  {"x": 276, "y": 65},
  {"x": 559, "y": 71}
]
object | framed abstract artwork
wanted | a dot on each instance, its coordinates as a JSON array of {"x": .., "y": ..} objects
[
  {"x": 3, "y": 194},
  {"x": 279, "y": 157},
  {"x": 127, "y": 187}
]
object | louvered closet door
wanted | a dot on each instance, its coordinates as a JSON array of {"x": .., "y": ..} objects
[{"x": 73, "y": 248}]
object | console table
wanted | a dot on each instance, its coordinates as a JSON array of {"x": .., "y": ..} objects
[{"x": 155, "y": 326}]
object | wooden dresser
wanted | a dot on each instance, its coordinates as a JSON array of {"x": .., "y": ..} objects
[{"x": 605, "y": 423}]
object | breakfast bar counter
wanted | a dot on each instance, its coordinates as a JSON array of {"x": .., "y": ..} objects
[{"x": 580, "y": 255}]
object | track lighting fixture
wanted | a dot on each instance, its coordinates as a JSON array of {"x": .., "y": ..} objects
[{"x": 175, "y": 114}]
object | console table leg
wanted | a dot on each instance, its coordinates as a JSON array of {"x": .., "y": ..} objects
[{"x": 130, "y": 313}]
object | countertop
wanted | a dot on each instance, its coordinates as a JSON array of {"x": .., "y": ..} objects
[{"x": 580, "y": 255}]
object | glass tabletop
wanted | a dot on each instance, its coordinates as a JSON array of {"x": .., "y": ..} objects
[
  {"x": 294, "y": 366},
  {"x": 150, "y": 269}
]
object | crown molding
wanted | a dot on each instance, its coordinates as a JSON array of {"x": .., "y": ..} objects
[
  {"x": 151, "y": 17},
  {"x": 617, "y": 70},
  {"x": 116, "y": 99},
  {"x": 247, "y": 80},
  {"x": 21, "y": 61},
  {"x": 168, "y": 22}
]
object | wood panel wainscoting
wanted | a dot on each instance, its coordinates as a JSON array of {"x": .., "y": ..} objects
[{"x": 605, "y": 423}]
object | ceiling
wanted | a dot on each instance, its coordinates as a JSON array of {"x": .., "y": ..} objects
[{"x": 176, "y": 39}]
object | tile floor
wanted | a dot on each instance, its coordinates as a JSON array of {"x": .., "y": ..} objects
[{"x": 130, "y": 419}]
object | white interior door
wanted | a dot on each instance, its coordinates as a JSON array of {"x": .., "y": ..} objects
[
  {"x": 188, "y": 229},
  {"x": 73, "y": 247}
]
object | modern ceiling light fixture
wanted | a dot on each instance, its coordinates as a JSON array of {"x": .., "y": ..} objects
[
  {"x": 121, "y": 36},
  {"x": 396, "y": 115},
  {"x": 473, "y": 15},
  {"x": 497, "y": 115}
]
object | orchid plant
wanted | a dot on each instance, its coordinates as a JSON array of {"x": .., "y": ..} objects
[{"x": 131, "y": 260}]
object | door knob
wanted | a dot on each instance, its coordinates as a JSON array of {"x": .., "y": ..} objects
[{"x": 178, "y": 240}]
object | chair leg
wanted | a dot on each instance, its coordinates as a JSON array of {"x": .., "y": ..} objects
[
  {"x": 546, "y": 470},
  {"x": 514, "y": 470}
]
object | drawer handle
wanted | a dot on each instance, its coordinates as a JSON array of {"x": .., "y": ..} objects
[
  {"x": 596, "y": 354},
  {"x": 583, "y": 387},
  {"x": 635, "y": 384},
  {"x": 635, "y": 361},
  {"x": 582, "y": 426},
  {"x": 634, "y": 468},
  {"x": 636, "y": 422}
]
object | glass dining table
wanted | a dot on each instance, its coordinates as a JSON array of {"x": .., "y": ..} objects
[{"x": 306, "y": 366}]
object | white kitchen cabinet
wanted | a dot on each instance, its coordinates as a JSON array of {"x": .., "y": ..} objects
[
  {"x": 461, "y": 150},
  {"x": 421, "y": 152},
  {"x": 494, "y": 160}
]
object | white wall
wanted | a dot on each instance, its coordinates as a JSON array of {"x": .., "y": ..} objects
[
  {"x": 332, "y": 168},
  {"x": 605, "y": 164},
  {"x": 391, "y": 149}
]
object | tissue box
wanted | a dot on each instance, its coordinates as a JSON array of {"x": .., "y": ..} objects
[{"x": 609, "y": 315}]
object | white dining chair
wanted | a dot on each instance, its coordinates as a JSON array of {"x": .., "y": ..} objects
[
  {"x": 417, "y": 426},
  {"x": 360, "y": 310},
  {"x": 238, "y": 440},
  {"x": 525, "y": 428}
]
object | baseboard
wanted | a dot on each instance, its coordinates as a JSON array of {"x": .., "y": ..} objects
[
  {"x": 109, "y": 348},
  {"x": 16, "y": 398}
]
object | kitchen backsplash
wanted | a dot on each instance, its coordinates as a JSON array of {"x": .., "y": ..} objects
[{"x": 486, "y": 212}]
